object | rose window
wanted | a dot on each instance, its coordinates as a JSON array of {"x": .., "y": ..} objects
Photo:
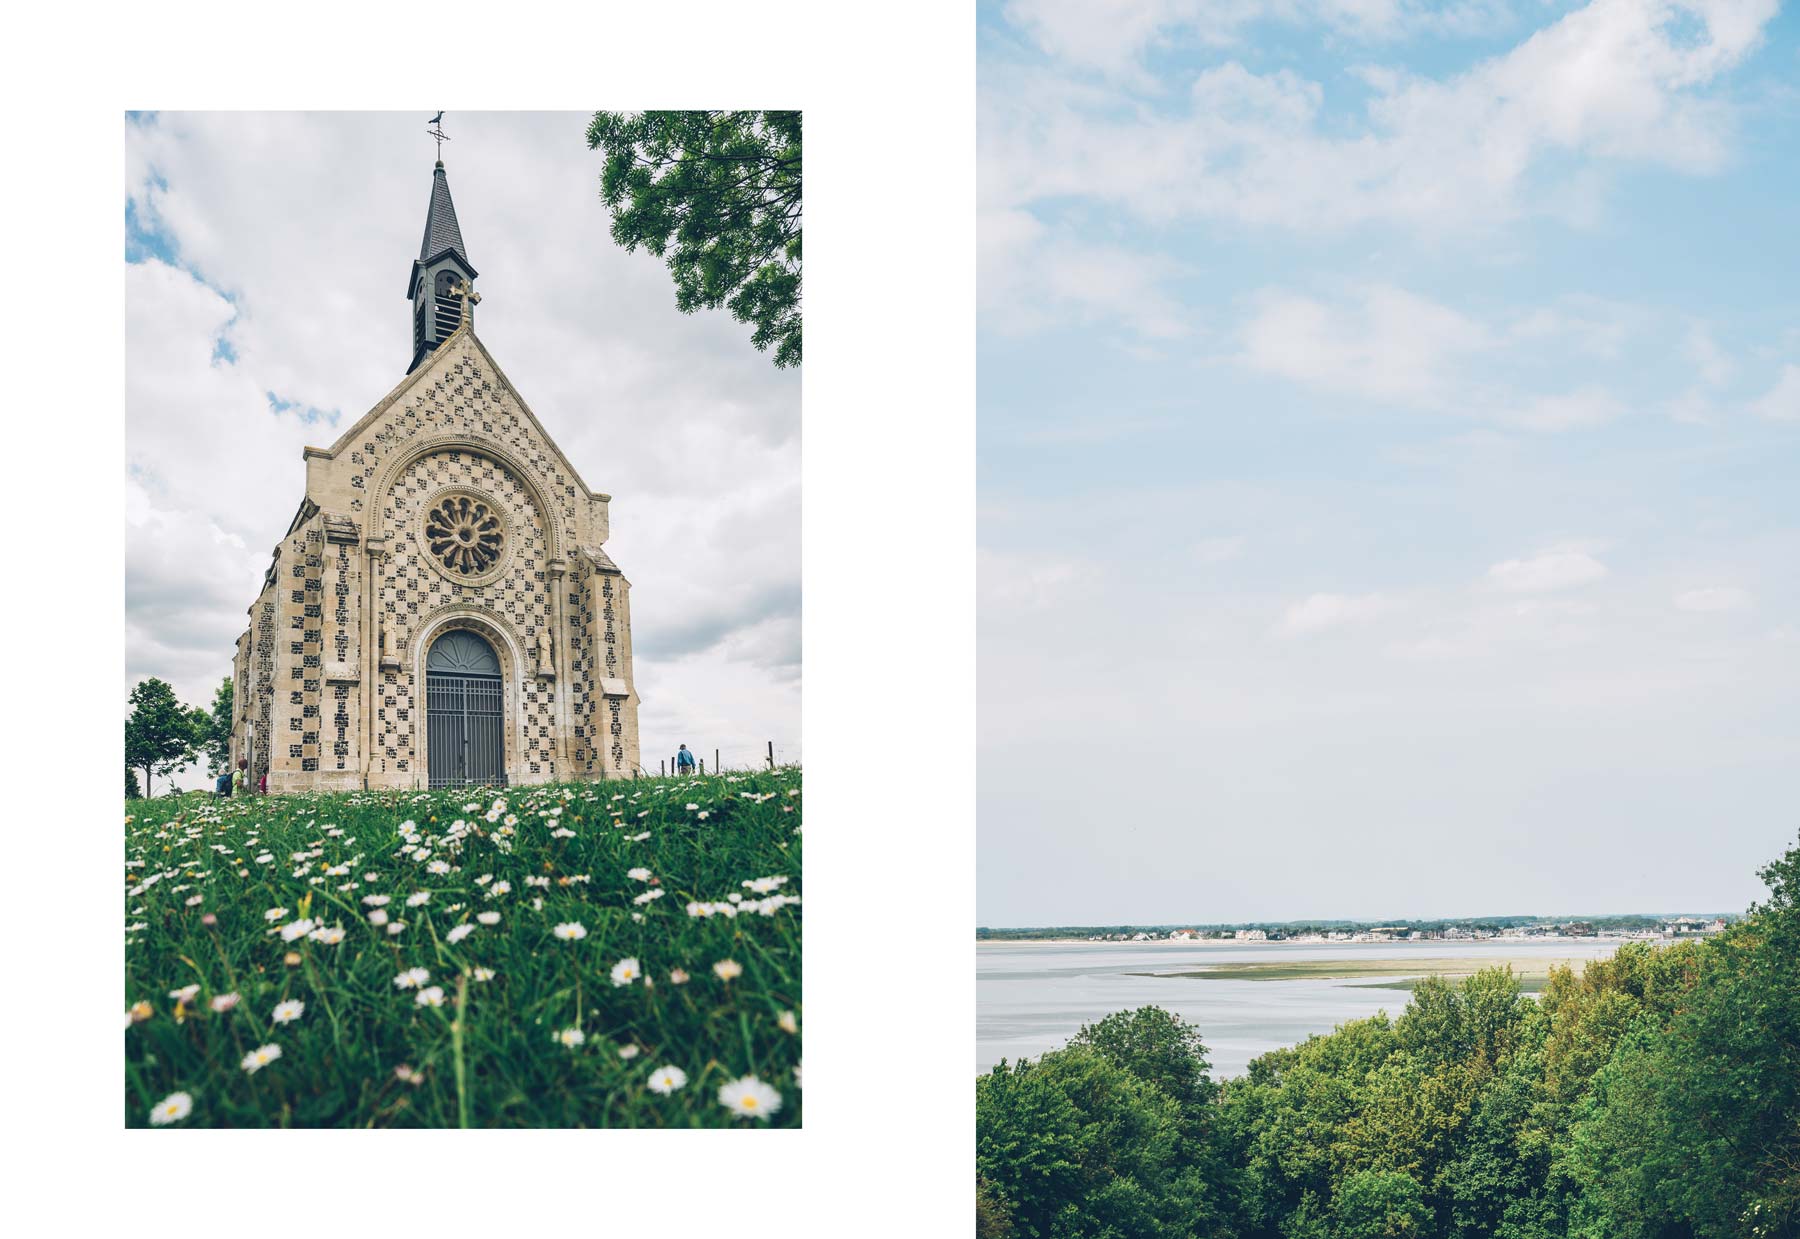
[{"x": 465, "y": 534}]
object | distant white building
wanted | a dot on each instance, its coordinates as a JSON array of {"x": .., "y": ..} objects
[{"x": 1251, "y": 935}]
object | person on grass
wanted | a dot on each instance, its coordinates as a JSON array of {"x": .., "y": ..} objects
[{"x": 684, "y": 761}]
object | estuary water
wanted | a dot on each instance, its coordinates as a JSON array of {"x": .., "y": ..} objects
[{"x": 1032, "y": 996}]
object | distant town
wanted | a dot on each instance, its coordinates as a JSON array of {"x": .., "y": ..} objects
[{"x": 1647, "y": 928}]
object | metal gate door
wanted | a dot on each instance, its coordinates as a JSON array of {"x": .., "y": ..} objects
[{"x": 464, "y": 729}]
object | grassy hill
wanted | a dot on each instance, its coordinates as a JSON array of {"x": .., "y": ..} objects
[{"x": 536, "y": 957}]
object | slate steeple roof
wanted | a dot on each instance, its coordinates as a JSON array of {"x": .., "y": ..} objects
[
  {"x": 442, "y": 235},
  {"x": 441, "y": 232}
]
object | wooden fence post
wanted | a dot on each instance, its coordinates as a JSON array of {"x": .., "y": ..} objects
[{"x": 771, "y": 755}]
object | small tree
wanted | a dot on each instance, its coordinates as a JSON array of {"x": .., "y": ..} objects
[
  {"x": 216, "y": 729},
  {"x": 159, "y": 735},
  {"x": 131, "y": 785},
  {"x": 718, "y": 194}
]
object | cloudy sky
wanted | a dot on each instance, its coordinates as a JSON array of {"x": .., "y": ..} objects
[
  {"x": 1389, "y": 433},
  {"x": 266, "y": 311}
]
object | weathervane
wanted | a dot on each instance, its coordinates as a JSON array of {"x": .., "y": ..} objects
[{"x": 437, "y": 131}]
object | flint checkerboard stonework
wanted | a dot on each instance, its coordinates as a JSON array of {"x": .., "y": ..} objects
[{"x": 330, "y": 682}]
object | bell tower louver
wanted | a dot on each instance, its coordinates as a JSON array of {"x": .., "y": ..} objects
[{"x": 442, "y": 278}]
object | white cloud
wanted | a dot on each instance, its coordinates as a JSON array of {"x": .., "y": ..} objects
[
  {"x": 1030, "y": 276},
  {"x": 1576, "y": 410},
  {"x": 1389, "y": 345},
  {"x": 1614, "y": 82},
  {"x": 1713, "y": 598},
  {"x": 1781, "y": 403},
  {"x": 1320, "y": 612},
  {"x": 1550, "y": 570},
  {"x": 300, "y": 228},
  {"x": 1111, "y": 37}
]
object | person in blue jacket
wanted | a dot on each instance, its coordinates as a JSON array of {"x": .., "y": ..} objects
[{"x": 684, "y": 761}]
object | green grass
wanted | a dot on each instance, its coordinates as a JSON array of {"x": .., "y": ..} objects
[{"x": 490, "y": 1055}]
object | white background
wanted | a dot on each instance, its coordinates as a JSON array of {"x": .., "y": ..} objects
[{"x": 888, "y": 499}]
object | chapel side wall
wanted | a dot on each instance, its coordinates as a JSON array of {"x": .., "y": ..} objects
[
  {"x": 241, "y": 691},
  {"x": 584, "y": 738},
  {"x": 299, "y": 660}
]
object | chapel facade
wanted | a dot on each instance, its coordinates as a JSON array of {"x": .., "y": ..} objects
[{"x": 441, "y": 611}]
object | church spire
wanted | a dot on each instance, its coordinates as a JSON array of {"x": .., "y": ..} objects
[{"x": 442, "y": 279}]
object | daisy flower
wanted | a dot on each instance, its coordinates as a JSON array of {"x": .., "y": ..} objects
[
  {"x": 224, "y": 1002},
  {"x": 398, "y": 927},
  {"x": 185, "y": 994},
  {"x": 484, "y": 974},
  {"x": 287, "y": 1012},
  {"x": 625, "y": 972},
  {"x": 430, "y": 996},
  {"x": 274, "y": 914},
  {"x": 677, "y": 976},
  {"x": 297, "y": 929},
  {"x": 458, "y": 933},
  {"x": 417, "y": 898},
  {"x": 665, "y": 1080},
  {"x": 171, "y": 1109},
  {"x": 378, "y": 917},
  {"x": 488, "y": 918},
  {"x": 750, "y": 1098},
  {"x": 787, "y": 1022},
  {"x": 412, "y": 978},
  {"x": 639, "y": 874},
  {"x": 628, "y": 1052},
  {"x": 329, "y": 936},
  {"x": 571, "y": 1037},
  {"x": 655, "y": 892},
  {"x": 571, "y": 931},
  {"x": 728, "y": 969},
  {"x": 261, "y": 1057}
]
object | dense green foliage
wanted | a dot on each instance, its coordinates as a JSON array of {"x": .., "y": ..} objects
[
  {"x": 213, "y": 728},
  {"x": 718, "y": 195},
  {"x": 1656, "y": 1095},
  {"x": 685, "y": 893},
  {"x": 160, "y": 733}
]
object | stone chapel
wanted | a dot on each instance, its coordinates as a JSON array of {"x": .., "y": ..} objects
[{"x": 441, "y": 611}]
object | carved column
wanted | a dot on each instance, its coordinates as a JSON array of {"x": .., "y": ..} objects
[
  {"x": 374, "y": 551},
  {"x": 560, "y": 687}
]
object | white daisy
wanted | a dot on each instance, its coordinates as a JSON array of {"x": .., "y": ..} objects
[
  {"x": 639, "y": 874},
  {"x": 750, "y": 1098},
  {"x": 628, "y": 1052},
  {"x": 171, "y": 1109},
  {"x": 289, "y": 1011},
  {"x": 224, "y": 1002},
  {"x": 488, "y": 918},
  {"x": 458, "y": 934},
  {"x": 484, "y": 974},
  {"x": 297, "y": 929},
  {"x": 727, "y": 969},
  {"x": 625, "y": 972},
  {"x": 412, "y": 978},
  {"x": 666, "y": 1080},
  {"x": 261, "y": 1057},
  {"x": 430, "y": 996},
  {"x": 329, "y": 936},
  {"x": 571, "y": 1037},
  {"x": 787, "y": 1022},
  {"x": 417, "y": 898},
  {"x": 571, "y": 931}
]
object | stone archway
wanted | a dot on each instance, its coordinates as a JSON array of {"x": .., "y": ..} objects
[
  {"x": 465, "y": 711},
  {"x": 499, "y": 639}
]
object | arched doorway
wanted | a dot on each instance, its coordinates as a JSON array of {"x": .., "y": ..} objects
[{"x": 465, "y": 714}]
